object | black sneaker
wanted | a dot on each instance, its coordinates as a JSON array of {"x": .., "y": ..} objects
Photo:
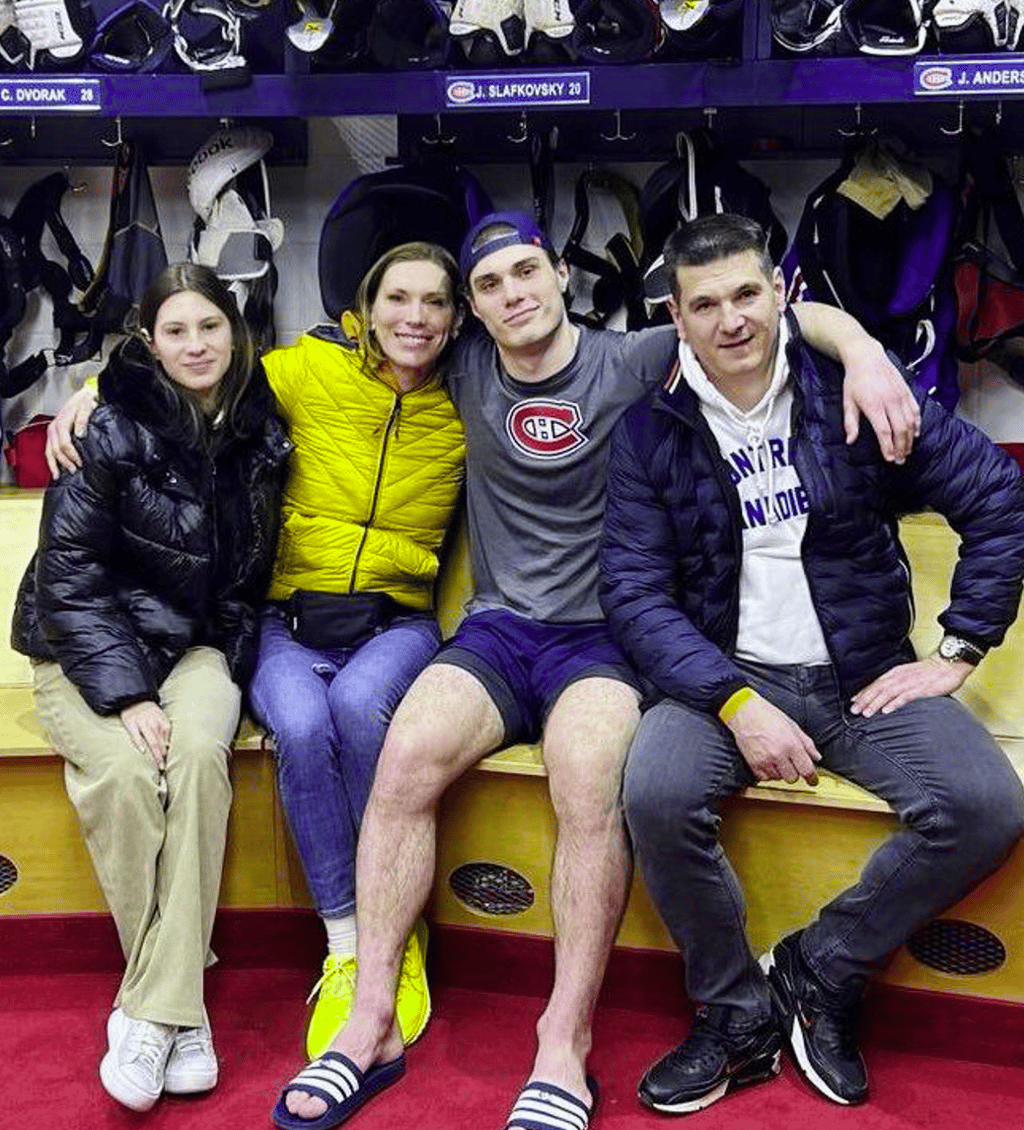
[
  {"x": 820, "y": 1024},
  {"x": 710, "y": 1063}
]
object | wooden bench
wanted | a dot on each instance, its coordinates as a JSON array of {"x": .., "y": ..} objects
[{"x": 793, "y": 846}]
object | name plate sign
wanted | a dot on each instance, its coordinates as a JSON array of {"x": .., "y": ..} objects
[
  {"x": 527, "y": 88},
  {"x": 42, "y": 95}
]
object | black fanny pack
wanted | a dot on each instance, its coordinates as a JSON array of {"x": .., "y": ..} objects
[{"x": 326, "y": 620}]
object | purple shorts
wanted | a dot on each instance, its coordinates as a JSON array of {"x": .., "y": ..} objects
[{"x": 526, "y": 664}]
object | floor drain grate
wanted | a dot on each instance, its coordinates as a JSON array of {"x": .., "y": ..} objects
[
  {"x": 8, "y": 874},
  {"x": 490, "y": 888},
  {"x": 953, "y": 946}
]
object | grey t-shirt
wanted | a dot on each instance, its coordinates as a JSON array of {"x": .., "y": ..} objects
[{"x": 536, "y": 465}]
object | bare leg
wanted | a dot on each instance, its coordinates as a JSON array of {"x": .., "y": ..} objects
[
  {"x": 585, "y": 743},
  {"x": 445, "y": 724}
]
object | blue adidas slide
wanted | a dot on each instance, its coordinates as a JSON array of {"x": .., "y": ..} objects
[
  {"x": 543, "y": 1106},
  {"x": 336, "y": 1079}
]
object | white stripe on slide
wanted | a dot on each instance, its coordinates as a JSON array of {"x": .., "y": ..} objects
[
  {"x": 335, "y": 1079},
  {"x": 537, "y": 1108}
]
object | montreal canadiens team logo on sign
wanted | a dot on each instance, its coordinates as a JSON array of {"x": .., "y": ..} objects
[{"x": 545, "y": 429}]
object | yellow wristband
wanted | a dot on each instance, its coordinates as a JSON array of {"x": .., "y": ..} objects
[{"x": 734, "y": 702}]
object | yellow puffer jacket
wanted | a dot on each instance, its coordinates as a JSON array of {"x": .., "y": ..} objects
[{"x": 374, "y": 478}]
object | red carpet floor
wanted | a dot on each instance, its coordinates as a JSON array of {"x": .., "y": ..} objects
[{"x": 462, "y": 1075}]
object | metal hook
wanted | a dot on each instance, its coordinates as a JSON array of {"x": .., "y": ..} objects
[
  {"x": 439, "y": 137},
  {"x": 709, "y": 113},
  {"x": 959, "y": 127},
  {"x": 118, "y": 139},
  {"x": 523, "y": 134},
  {"x": 618, "y": 135},
  {"x": 32, "y": 127},
  {"x": 858, "y": 125},
  {"x": 999, "y": 113}
]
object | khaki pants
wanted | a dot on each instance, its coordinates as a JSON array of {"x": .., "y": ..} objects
[{"x": 158, "y": 861}]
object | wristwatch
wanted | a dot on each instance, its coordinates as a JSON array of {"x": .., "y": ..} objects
[{"x": 953, "y": 648}]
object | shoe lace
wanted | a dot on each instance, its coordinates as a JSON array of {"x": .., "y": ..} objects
[
  {"x": 704, "y": 1040},
  {"x": 193, "y": 1042},
  {"x": 147, "y": 1044},
  {"x": 338, "y": 978},
  {"x": 409, "y": 975}
]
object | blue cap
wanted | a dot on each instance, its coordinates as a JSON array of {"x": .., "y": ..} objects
[{"x": 524, "y": 230}]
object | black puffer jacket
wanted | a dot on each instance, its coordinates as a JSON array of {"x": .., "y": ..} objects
[{"x": 155, "y": 545}]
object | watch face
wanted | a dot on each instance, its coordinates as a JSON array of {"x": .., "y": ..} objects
[{"x": 949, "y": 648}]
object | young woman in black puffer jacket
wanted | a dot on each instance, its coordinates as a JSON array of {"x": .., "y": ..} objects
[{"x": 139, "y": 612}]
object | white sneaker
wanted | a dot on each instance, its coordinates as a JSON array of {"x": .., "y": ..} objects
[
  {"x": 192, "y": 1066},
  {"x": 132, "y": 1071}
]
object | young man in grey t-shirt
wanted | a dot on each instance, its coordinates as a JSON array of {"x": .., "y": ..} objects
[{"x": 539, "y": 397}]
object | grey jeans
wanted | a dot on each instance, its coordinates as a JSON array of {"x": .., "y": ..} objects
[{"x": 957, "y": 795}]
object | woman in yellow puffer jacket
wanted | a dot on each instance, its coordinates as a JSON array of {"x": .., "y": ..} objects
[{"x": 373, "y": 483}]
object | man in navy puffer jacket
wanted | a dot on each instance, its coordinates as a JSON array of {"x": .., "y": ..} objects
[{"x": 752, "y": 570}]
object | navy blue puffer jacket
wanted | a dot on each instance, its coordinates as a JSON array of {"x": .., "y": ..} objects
[
  {"x": 155, "y": 545},
  {"x": 671, "y": 554}
]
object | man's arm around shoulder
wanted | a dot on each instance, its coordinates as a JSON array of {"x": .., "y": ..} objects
[{"x": 872, "y": 386}]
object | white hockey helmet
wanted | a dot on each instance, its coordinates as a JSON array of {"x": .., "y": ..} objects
[{"x": 219, "y": 160}]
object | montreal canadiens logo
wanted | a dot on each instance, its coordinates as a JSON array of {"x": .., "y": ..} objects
[
  {"x": 936, "y": 78},
  {"x": 545, "y": 429},
  {"x": 461, "y": 91}
]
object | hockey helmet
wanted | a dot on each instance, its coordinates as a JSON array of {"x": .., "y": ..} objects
[
  {"x": 617, "y": 31},
  {"x": 408, "y": 35}
]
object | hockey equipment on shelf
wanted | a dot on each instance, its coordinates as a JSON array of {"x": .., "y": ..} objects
[
  {"x": 312, "y": 30},
  {"x": 1014, "y": 25},
  {"x": 701, "y": 29},
  {"x": 549, "y": 26},
  {"x": 703, "y": 179},
  {"x": 435, "y": 201},
  {"x": 989, "y": 282},
  {"x": 208, "y": 40},
  {"x": 491, "y": 32},
  {"x": 970, "y": 26},
  {"x": 885, "y": 27},
  {"x": 133, "y": 252},
  {"x": 617, "y": 282},
  {"x": 44, "y": 35},
  {"x": 806, "y": 25},
  {"x": 408, "y": 35},
  {"x": 871, "y": 27},
  {"x": 130, "y": 38},
  {"x": 345, "y": 46},
  {"x": 617, "y": 31},
  {"x": 875, "y": 238}
]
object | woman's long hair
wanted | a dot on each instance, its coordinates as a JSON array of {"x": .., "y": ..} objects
[
  {"x": 366, "y": 294},
  {"x": 175, "y": 279}
]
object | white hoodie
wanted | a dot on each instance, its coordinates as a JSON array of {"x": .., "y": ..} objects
[{"x": 778, "y": 623}]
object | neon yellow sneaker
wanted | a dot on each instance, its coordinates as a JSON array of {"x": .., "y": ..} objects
[
  {"x": 413, "y": 1001},
  {"x": 337, "y": 987}
]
